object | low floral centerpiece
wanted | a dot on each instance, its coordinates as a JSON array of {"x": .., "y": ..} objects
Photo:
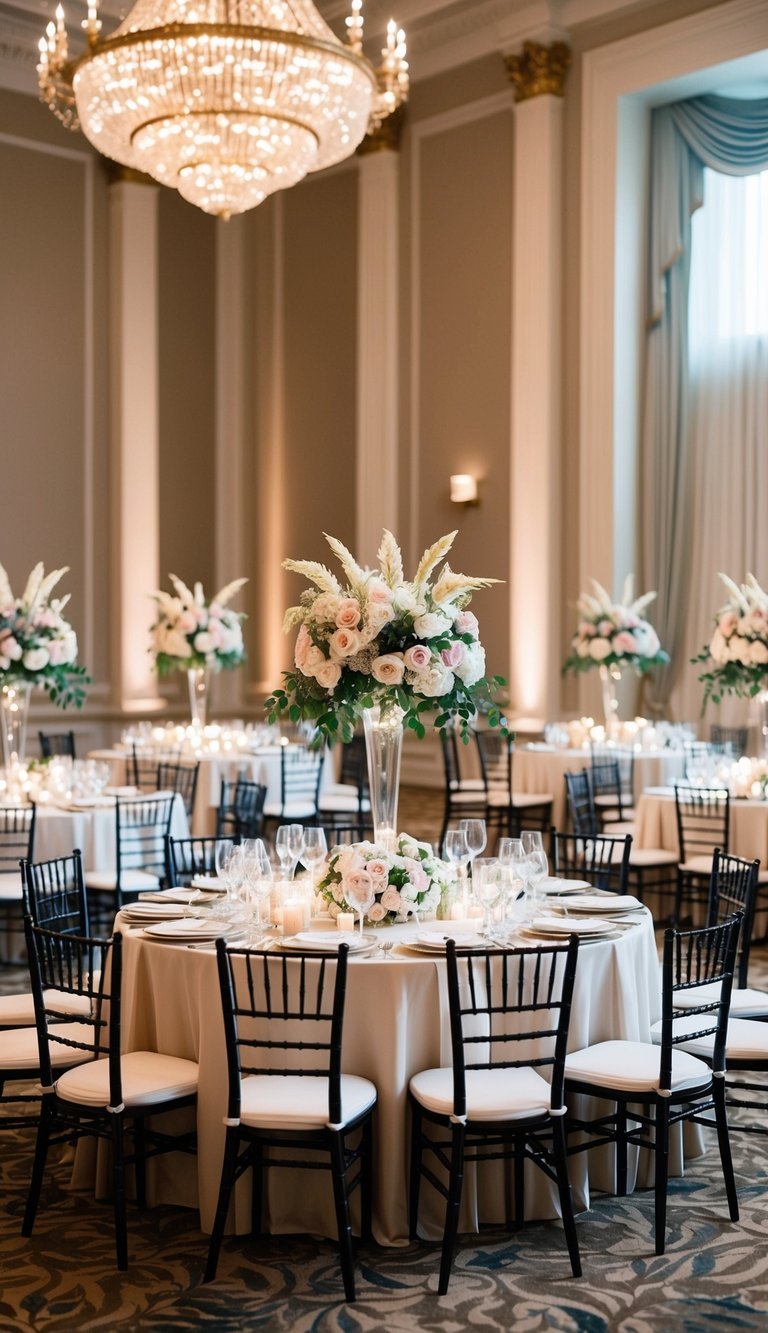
[
  {"x": 380, "y": 638},
  {"x": 38, "y": 647},
  {"x": 404, "y": 880},
  {"x": 737, "y": 653},
  {"x": 198, "y": 636}
]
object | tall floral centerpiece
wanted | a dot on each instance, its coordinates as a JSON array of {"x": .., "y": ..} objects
[
  {"x": 389, "y": 649},
  {"x": 611, "y": 636},
  {"x": 737, "y": 654},
  {"x": 38, "y": 647},
  {"x": 198, "y": 636}
]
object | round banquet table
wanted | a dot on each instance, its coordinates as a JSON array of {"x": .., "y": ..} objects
[
  {"x": 540, "y": 767},
  {"x": 395, "y": 1025},
  {"x": 60, "y": 829}
]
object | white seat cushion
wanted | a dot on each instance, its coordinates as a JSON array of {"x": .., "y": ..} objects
[
  {"x": 618, "y": 829},
  {"x": 745, "y": 1003},
  {"x": 492, "y": 1094},
  {"x": 343, "y": 800},
  {"x": 697, "y": 865},
  {"x": 644, "y": 857},
  {"x": 464, "y": 796},
  {"x": 291, "y": 810},
  {"x": 632, "y": 1066},
  {"x": 288, "y": 1101},
  {"x": 19, "y": 1049},
  {"x": 747, "y": 1041},
  {"x": 131, "y": 881},
  {"x": 10, "y": 887},
  {"x": 18, "y": 1011},
  {"x": 525, "y": 799},
  {"x": 147, "y": 1079}
]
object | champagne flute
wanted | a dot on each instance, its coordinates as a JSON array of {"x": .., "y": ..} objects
[
  {"x": 539, "y": 867},
  {"x": 289, "y": 844}
]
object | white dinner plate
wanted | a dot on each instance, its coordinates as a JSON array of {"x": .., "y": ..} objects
[
  {"x": 210, "y": 882},
  {"x": 552, "y": 886},
  {"x": 121, "y": 791},
  {"x": 325, "y": 940},
  {"x": 150, "y": 911},
  {"x": 190, "y": 928},
  {"x": 180, "y": 895},
  {"x": 437, "y": 941},
  {"x": 610, "y": 905},
  {"x": 566, "y": 925}
]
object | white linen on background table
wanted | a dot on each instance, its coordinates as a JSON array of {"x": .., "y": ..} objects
[
  {"x": 58, "y": 832},
  {"x": 537, "y": 769}
]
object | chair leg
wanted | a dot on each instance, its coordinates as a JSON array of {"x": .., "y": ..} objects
[
  {"x": 222, "y": 1208},
  {"x": 662, "y": 1172},
  {"x": 366, "y": 1181},
  {"x": 415, "y": 1171},
  {"x": 257, "y": 1187},
  {"x": 118, "y": 1190},
  {"x": 140, "y": 1162},
  {"x": 338, "y": 1173},
  {"x": 38, "y": 1169},
  {"x": 455, "y": 1186},
  {"x": 519, "y": 1181},
  {"x": 724, "y": 1144},
  {"x": 621, "y": 1149},
  {"x": 560, "y": 1155}
]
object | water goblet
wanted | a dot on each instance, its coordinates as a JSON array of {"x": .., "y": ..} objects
[
  {"x": 361, "y": 897},
  {"x": 314, "y": 851},
  {"x": 475, "y": 833},
  {"x": 289, "y": 843},
  {"x": 258, "y": 875},
  {"x": 456, "y": 850},
  {"x": 486, "y": 885}
]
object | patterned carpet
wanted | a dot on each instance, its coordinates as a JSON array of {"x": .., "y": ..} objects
[{"x": 714, "y": 1275}]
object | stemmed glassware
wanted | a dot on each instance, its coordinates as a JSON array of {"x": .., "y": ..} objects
[
  {"x": 538, "y": 864},
  {"x": 361, "y": 896},
  {"x": 289, "y": 845},
  {"x": 486, "y": 885},
  {"x": 476, "y": 836},
  {"x": 510, "y": 853},
  {"x": 314, "y": 850},
  {"x": 258, "y": 877},
  {"x": 456, "y": 850}
]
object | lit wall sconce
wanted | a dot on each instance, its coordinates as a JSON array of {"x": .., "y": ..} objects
[{"x": 463, "y": 489}]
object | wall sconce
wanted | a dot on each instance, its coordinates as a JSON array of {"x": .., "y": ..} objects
[{"x": 463, "y": 489}]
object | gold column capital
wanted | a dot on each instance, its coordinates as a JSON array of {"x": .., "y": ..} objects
[
  {"x": 539, "y": 69},
  {"x": 385, "y": 137}
]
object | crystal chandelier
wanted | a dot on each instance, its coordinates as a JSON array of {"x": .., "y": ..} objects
[{"x": 224, "y": 100}]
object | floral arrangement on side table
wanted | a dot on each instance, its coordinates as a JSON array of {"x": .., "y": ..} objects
[
  {"x": 614, "y": 634},
  {"x": 192, "y": 633},
  {"x": 406, "y": 880},
  {"x": 37, "y": 645},
  {"x": 737, "y": 653},
  {"x": 383, "y": 639}
]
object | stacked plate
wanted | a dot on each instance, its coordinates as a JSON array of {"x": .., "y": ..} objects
[
  {"x": 610, "y": 904},
  {"x": 551, "y": 886},
  {"x": 181, "y": 895},
  {"x": 560, "y": 927},
  {"x": 188, "y": 929},
  {"x": 144, "y": 913},
  {"x": 210, "y": 882},
  {"x": 432, "y": 942}
]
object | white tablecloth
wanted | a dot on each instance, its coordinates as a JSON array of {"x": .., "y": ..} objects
[
  {"x": 59, "y": 832},
  {"x": 539, "y": 768},
  {"x": 394, "y": 1020}
]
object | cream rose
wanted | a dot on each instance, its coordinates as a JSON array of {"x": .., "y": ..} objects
[
  {"x": 345, "y": 643},
  {"x": 391, "y": 900},
  {"x": 35, "y": 659},
  {"x": 599, "y": 648},
  {"x": 313, "y": 661},
  {"x": 348, "y": 613},
  {"x": 358, "y": 887},
  {"x": 388, "y": 669},
  {"x": 758, "y": 653},
  {"x": 328, "y": 675},
  {"x": 377, "y": 912},
  {"x": 431, "y": 624}
]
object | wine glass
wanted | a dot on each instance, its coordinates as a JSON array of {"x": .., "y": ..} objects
[
  {"x": 537, "y": 862},
  {"x": 289, "y": 844},
  {"x": 486, "y": 885},
  {"x": 456, "y": 850},
  {"x": 361, "y": 897},
  {"x": 510, "y": 853},
  {"x": 314, "y": 851},
  {"x": 258, "y": 875}
]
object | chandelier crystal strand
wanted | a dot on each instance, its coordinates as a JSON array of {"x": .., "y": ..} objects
[{"x": 225, "y": 101}]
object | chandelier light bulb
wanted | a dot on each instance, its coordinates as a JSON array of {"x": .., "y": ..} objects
[{"x": 225, "y": 102}]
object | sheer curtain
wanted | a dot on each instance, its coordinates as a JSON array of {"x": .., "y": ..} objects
[{"x": 728, "y": 382}]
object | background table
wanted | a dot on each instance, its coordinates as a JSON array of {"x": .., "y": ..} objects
[
  {"x": 395, "y": 1025},
  {"x": 59, "y": 831},
  {"x": 539, "y": 768}
]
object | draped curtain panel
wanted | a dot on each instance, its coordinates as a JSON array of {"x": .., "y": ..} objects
[{"x": 730, "y": 136}]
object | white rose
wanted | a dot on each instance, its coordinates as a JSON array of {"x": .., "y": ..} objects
[
  {"x": 718, "y": 648},
  {"x": 313, "y": 661},
  {"x": 431, "y": 624},
  {"x": 69, "y": 646},
  {"x": 599, "y": 648},
  {"x": 647, "y": 639},
  {"x": 472, "y": 666},
  {"x": 11, "y": 649},
  {"x": 405, "y": 601},
  {"x": 328, "y": 675},
  {"x": 758, "y": 653},
  {"x": 35, "y": 659},
  {"x": 203, "y": 643},
  {"x": 434, "y": 682},
  {"x": 388, "y": 669}
]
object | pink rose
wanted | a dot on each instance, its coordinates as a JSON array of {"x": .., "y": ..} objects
[
  {"x": 345, "y": 643},
  {"x": 303, "y": 645},
  {"x": 378, "y": 593},
  {"x": 605, "y": 627},
  {"x": 587, "y": 629},
  {"x": 391, "y": 900},
  {"x": 328, "y": 675},
  {"x": 453, "y": 655},
  {"x": 416, "y": 874},
  {"x": 377, "y": 912},
  {"x": 466, "y": 622},
  {"x": 377, "y": 868},
  {"x": 625, "y": 643},
  {"x": 348, "y": 613},
  {"x": 418, "y": 657}
]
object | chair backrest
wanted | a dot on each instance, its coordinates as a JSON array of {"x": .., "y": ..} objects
[
  {"x": 601, "y": 859},
  {"x": 241, "y": 809},
  {"x": 450, "y": 748},
  {"x": 353, "y": 771},
  {"x": 17, "y": 836},
  {"x": 144, "y": 764},
  {"x": 495, "y": 764},
  {"x": 733, "y": 888},
  {"x": 361, "y": 830},
  {"x": 54, "y": 894},
  {"x": 605, "y": 776},
  {"x": 56, "y": 743},
  {"x": 703, "y": 820},
  {"x": 283, "y": 1015},
  {"x": 187, "y": 857},
  {"x": 180, "y": 778},
  {"x": 581, "y": 802},
  {"x": 699, "y": 756},
  {"x": 86, "y": 967},
  {"x": 143, "y": 825},
  {"x": 692, "y": 959},
  {"x": 510, "y": 1009},
  {"x": 300, "y": 772},
  {"x": 736, "y": 737}
]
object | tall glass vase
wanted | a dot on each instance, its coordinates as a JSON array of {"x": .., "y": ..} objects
[
  {"x": 610, "y": 677},
  {"x": 383, "y": 727},
  {"x": 198, "y": 680},
  {"x": 14, "y": 709},
  {"x": 762, "y": 699}
]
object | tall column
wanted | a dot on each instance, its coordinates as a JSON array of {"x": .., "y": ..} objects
[
  {"x": 134, "y": 431},
  {"x": 230, "y": 428},
  {"x": 538, "y": 75},
  {"x": 377, "y": 337}
]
